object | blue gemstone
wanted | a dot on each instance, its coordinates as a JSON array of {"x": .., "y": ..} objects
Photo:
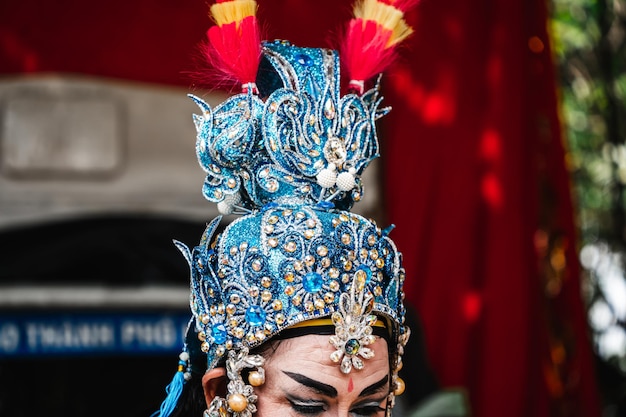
[
  {"x": 312, "y": 282},
  {"x": 325, "y": 205},
  {"x": 304, "y": 60},
  {"x": 255, "y": 316},
  {"x": 218, "y": 331}
]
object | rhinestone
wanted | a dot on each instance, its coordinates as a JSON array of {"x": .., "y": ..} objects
[
  {"x": 345, "y": 278},
  {"x": 363, "y": 253},
  {"x": 255, "y": 316},
  {"x": 309, "y": 233},
  {"x": 233, "y": 250},
  {"x": 233, "y": 322},
  {"x": 273, "y": 242},
  {"x": 380, "y": 262},
  {"x": 218, "y": 332},
  {"x": 288, "y": 178},
  {"x": 231, "y": 183},
  {"x": 347, "y": 266},
  {"x": 273, "y": 219},
  {"x": 220, "y": 308},
  {"x": 374, "y": 254},
  {"x": 280, "y": 319},
  {"x": 289, "y": 290},
  {"x": 312, "y": 282},
  {"x": 378, "y": 291},
  {"x": 205, "y": 319},
  {"x": 326, "y": 262},
  {"x": 371, "y": 239},
  {"x": 289, "y": 276},
  {"x": 334, "y": 286},
  {"x": 220, "y": 351},
  {"x": 319, "y": 303},
  {"x": 344, "y": 217},
  {"x": 315, "y": 138},
  {"x": 273, "y": 107},
  {"x": 309, "y": 260},
  {"x": 335, "y": 222},
  {"x": 266, "y": 282},
  {"x": 385, "y": 252},
  {"x": 346, "y": 239},
  {"x": 296, "y": 300},
  {"x": 260, "y": 335},
  {"x": 277, "y": 305},
  {"x": 205, "y": 347},
  {"x": 333, "y": 273},
  {"x": 272, "y": 186},
  {"x": 214, "y": 168},
  {"x": 230, "y": 309},
  {"x": 300, "y": 215},
  {"x": 218, "y": 194},
  {"x": 308, "y": 306},
  {"x": 310, "y": 223},
  {"x": 268, "y": 229},
  {"x": 253, "y": 291},
  {"x": 329, "y": 297},
  {"x": 213, "y": 310},
  {"x": 356, "y": 196},
  {"x": 235, "y": 298},
  {"x": 306, "y": 189},
  {"x": 352, "y": 255},
  {"x": 322, "y": 250},
  {"x": 290, "y": 246},
  {"x": 202, "y": 336},
  {"x": 297, "y": 265},
  {"x": 229, "y": 344},
  {"x": 311, "y": 120},
  {"x": 273, "y": 145},
  {"x": 287, "y": 212},
  {"x": 251, "y": 338},
  {"x": 257, "y": 265},
  {"x": 266, "y": 296}
]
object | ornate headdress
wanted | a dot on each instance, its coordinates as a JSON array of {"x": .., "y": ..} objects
[{"x": 287, "y": 154}]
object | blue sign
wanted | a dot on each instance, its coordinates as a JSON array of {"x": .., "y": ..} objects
[{"x": 91, "y": 333}]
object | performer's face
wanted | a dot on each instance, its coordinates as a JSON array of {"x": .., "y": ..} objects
[{"x": 301, "y": 380}]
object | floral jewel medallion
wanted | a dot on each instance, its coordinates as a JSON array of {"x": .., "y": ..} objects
[{"x": 353, "y": 327}]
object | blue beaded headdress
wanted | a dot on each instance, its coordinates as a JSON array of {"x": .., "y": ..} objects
[{"x": 287, "y": 154}]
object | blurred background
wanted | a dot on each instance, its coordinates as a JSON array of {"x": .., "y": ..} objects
[{"x": 503, "y": 167}]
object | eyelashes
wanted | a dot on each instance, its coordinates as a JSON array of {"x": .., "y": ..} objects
[{"x": 314, "y": 408}]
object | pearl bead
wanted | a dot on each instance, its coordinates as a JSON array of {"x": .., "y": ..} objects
[
  {"x": 256, "y": 379},
  {"x": 326, "y": 178},
  {"x": 237, "y": 402},
  {"x": 345, "y": 181},
  {"x": 400, "y": 386},
  {"x": 184, "y": 356}
]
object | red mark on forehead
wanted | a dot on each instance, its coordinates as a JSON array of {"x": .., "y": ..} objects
[{"x": 350, "y": 385}]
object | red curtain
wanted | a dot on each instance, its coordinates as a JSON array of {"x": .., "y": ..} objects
[{"x": 475, "y": 174}]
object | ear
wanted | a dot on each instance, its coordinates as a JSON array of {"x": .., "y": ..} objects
[{"x": 213, "y": 383}]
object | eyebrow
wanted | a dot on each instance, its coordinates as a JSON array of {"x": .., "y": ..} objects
[
  {"x": 318, "y": 386},
  {"x": 329, "y": 390},
  {"x": 375, "y": 387}
]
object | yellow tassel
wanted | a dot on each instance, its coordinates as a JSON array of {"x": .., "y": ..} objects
[
  {"x": 386, "y": 16},
  {"x": 400, "y": 32},
  {"x": 233, "y": 11}
]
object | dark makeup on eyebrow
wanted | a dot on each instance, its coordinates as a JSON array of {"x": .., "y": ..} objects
[{"x": 329, "y": 390}]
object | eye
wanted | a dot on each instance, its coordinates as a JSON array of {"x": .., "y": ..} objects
[
  {"x": 367, "y": 410},
  {"x": 307, "y": 407}
]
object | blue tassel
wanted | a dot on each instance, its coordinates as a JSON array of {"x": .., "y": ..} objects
[{"x": 173, "y": 391}]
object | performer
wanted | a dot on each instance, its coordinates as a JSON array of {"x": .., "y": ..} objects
[{"x": 297, "y": 305}]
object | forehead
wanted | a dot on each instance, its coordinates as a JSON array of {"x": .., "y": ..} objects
[{"x": 311, "y": 354}]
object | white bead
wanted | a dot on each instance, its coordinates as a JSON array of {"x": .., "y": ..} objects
[
  {"x": 184, "y": 356},
  {"x": 326, "y": 178},
  {"x": 345, "y": 181}
]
